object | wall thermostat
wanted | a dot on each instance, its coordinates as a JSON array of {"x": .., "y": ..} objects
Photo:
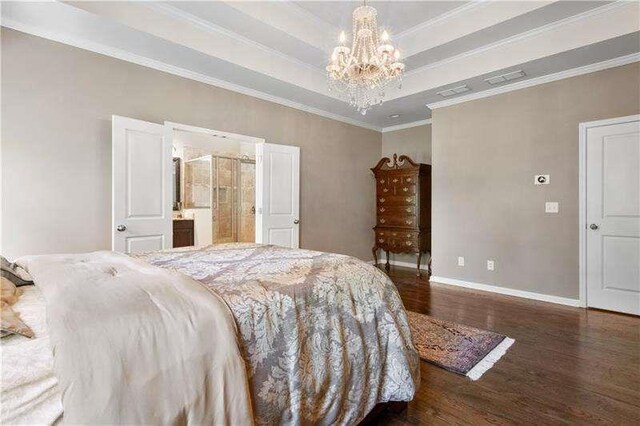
[{"x": 542, "y": 180}]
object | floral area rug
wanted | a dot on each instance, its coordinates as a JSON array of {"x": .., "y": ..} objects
[{"x": 455, "y": 347}]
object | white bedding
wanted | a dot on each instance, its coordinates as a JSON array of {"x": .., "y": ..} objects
[
  {"x": 138, "y": 344},
  {"x": 30, "y": 393}
]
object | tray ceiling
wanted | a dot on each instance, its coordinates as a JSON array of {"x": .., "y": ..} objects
[{"x": 277, "y": 50}]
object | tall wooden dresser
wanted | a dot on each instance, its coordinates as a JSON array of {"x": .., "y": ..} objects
[{"x": 403, "y": 208}]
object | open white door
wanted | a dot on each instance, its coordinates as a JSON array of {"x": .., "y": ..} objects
[
  {"x": 142, "y": 168},
  {"x": 278, "y": 195},
  {"x": 613, "y": 216}
]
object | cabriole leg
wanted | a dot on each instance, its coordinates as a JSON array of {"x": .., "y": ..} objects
[{"x": 375, "y": 255}]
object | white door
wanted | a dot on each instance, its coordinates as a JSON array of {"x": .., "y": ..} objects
[
  {"x": 613, "y": 217},
  {"x": 278, "y": 195},
  {"x": 142, "y": 199}
]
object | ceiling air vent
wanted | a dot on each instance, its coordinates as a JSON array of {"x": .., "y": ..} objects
[
  {"x": 497, "y": 79},
  {"x": 454, "y": 91}
]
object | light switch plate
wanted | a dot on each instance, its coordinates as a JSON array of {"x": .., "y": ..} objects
[
  {"x": 460, "y": 261},
  {"x": 542, "y": 179},
  {"x": 551, "y": 207},
  {"x": 491, "y": 265}
]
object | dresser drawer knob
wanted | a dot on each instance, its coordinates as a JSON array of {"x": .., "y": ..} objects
[{"x": 381, "y": 200}]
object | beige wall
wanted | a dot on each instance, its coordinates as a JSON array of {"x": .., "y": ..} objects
[
  {"x": 416, "y": 143},
  {"x": 57, "y": 103},
  {"x": 485, "y": 155}
]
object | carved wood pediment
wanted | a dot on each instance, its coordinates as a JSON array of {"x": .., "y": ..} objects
[{"x": 402, "y": 162}]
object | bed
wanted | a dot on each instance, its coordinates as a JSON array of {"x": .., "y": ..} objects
[{"x": 322, "y": 338}]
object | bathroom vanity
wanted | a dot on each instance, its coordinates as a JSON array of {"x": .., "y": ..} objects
[{"x": 183, "y": 233}]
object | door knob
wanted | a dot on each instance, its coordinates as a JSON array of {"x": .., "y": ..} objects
[
  {"x": 121, "y": 228},
  {"x": 593, "y": 226},
  {"x": 296, "y": 221}
]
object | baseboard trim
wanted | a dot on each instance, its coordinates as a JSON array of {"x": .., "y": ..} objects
[{"x": 507, "y": 291}]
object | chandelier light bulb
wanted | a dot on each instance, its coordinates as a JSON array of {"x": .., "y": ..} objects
[{"x": 361, "y": 71}]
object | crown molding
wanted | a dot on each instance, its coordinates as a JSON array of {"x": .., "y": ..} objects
[
  {"x": 522, "y": 36},
  {"x": 328, "y": 27},
  {"x": 574, "y": 72},
  {"x": 172, "y": 69},
  {"x": 406, "y": 125},
  {"x": 287, "y": 17},
  {"x": 463, "y": 21},
  {"x": 441, "y": 18}
]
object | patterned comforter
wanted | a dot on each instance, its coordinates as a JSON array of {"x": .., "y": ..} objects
[{"x": 325, "y": 336}]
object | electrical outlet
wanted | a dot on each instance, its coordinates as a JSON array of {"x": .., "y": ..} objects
[
  {"x": 460, "y": 261},
  {"x": 551, "y": 207},
  {"x": 491, "y": 265}
]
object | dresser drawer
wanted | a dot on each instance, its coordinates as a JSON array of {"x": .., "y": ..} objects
[
  {"x": 396, "y": 210},
  {"x": 399, "y": 190},
  {"x": 409, "y": 179},
  {"x": 408, "y": 240},
  {"x": 383, "y": 191},
  {"x": 397, "y": 239},
  {"x": 405, "y": 189},
  {"x": 408, "y": 221},
  {"x": 396, "y": 185},
  {"x": 383, "y": 238},
  {"x": 396, "y": 200}
]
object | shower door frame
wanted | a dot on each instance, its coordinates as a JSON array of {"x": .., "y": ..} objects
[
  {"x": 170, "y": 127},
  {"x": 238, "y": 205}
]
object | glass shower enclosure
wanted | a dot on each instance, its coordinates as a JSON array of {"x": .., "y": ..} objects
[{"x": 225, "y": 186}]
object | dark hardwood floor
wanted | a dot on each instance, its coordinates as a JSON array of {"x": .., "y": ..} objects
[{"x": 568, "y": 365}]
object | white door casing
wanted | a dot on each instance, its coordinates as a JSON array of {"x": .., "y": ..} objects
[
  {"x": 612, "y": 218},
  {"x": 278, "y": 195},
  {"x": 141, "y": 187}
]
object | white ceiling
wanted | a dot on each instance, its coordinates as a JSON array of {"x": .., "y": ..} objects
[{"x": 277, "y": 50}]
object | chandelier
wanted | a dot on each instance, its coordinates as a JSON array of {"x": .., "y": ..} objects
[{"x": 361, "y": 74}]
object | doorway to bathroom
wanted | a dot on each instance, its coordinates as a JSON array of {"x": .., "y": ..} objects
[
  {"x": 176, "y": 185},
  {"x": 214, "y": 187}
]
